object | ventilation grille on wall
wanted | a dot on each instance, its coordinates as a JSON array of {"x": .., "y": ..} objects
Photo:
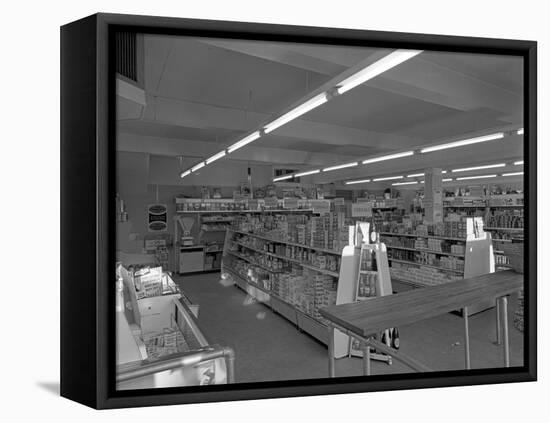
[{"x": 126, "y": 55}]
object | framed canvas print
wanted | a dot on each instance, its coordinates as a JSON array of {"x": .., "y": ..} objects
[{"x": 257, "y": 211}]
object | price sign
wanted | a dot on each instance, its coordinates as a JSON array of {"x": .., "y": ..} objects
[{"x": 361, "y": 210}]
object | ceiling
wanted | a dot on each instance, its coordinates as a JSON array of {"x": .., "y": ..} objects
[{"x": 207, "y": 93}]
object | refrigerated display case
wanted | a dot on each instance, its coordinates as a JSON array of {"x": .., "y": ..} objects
[{"x": 159, "y": 342}]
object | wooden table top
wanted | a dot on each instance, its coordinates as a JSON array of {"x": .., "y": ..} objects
[{"x": 379, "y": 313}]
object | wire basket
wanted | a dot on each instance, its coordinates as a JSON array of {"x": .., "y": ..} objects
[{"x": 514, "y": 252}]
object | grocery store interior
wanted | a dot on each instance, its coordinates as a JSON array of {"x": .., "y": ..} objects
[{"x": 299, "y": 211}]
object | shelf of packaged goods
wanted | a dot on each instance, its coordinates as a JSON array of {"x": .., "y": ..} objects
[
  {"x": 503, "y": 229},
  {"x": 443, "y": 253},
  {"x": 447, "y": 238},
  {"x": 278, "y": 241},
  {"x": 299, "y": 262},
  {"x": 246, "y": 211},
  {"x": 507, "y": 205},
  {"x": 224, "y": 220},
  {"x": 261, "y": 266},
  {"x": 425, "y": 265},
  {"x": 369, "y": 272},
  {"x": 414, "y": 284},
  {"x": 214, "y": 230},
  {"x": 502, "y": 240},
  {"x": 305, "y": 322},
  {"x": 465, "y": 206}
]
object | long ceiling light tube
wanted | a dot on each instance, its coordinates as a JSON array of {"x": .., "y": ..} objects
[
  {"x": 215, "y": 157},
  {"x": 512, "y": 174},
  {"x": 246, "y": 140},
  {"x": 405, "y": 183},
  {"x": 461, "y": 143},
  {"x": 198, "y": 166},
  {"x": 388, "y": 157},
  {"x": 387, "y": 178},
  {"x": 362, "y": 181},
  {"x": 492, "y": 166},
  {"x": 464, "y": 178},
  {"x": 415, "y": 175},
  {"x": 282, "y": 178},
  {"x": 387, "y": 62},
  {"x": 309, "y": 172},
  {"x": 343, "y": 166},
  {"x": 520, "y": 131},
  {"x": 297, "y": 112},
  {"x": 184, "y": 174},
  {"x": 518, "y": 163}
]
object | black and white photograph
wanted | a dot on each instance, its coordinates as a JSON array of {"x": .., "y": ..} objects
[{"x": 290, "y": 211}]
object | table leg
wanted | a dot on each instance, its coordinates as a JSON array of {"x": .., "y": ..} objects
[
  {"x": 331, "y": 351},
  {"x": 499, "y": 328},
  {"x": 504, "y": 313},
  {"x": 367, "y": 359},
  {"x": 466, "y": 338}
]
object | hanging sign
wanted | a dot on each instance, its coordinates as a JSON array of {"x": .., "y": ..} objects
[
  {"x": 157, "y": 217},
  {"x": 361, "y": 210},
  {"x": 339, "y": 201}
]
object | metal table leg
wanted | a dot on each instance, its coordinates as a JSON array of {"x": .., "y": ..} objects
[
  {"x": 466, "y": 338},
  {"x": 331, "y": 351},
  {"x": 366, "y": 358},
  {"x": 499, "y": 328},
  {"x": 504, "y": 313}
]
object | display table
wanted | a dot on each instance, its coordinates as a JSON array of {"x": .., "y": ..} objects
[{"x": 364, "y": 319}]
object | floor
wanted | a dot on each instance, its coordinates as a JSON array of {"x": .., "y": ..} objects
[{"x": 268, "y": 347}]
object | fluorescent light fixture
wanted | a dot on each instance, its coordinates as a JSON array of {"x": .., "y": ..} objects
[
  {"x": 443, "y": 171},
  {"x": 184, "y": 174},
  {"x": 520, "y": 131},
  {"x": 282, "y": 178},
  {"x": 405, "y": 183},
  {"x": 469, "y": 141},
  {"x": 422, "y": 182},
  {"x": 246, "y": 140},
  {"x": 466, "y": 169},
  {"x": 476, "y": 177},
  {"x": 415, "y": 175},
  {"x": 391, "y": 60},
  {"x": 328, "y": 169},
  {"x": 388, "y": 178},
  {"x": 518, "y": 163},
  {"x": 388, "y": 157},
  {"x": 309, "y": 172},
  {"x": 512, "y": 174},
  {"x": 198, "y": 166},
  {"x": 447, "y": 180},
  {"x": 215, "y": 157},
  {"x": 362, "y": 181},
  {"x": 296, "y": 112}
]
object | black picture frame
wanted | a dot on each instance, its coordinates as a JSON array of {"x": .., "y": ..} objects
[{"x": 88, "y": 195}]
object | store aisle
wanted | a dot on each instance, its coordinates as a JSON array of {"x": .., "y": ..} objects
[{"x": 268, "y": 347}]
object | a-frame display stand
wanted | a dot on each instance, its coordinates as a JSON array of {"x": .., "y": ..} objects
[{"x": 353, "y": 266}]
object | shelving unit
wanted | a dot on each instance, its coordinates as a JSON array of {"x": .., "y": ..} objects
[
  {"x": 478, "y": 259},
  {"x": 265, "y": 290}
]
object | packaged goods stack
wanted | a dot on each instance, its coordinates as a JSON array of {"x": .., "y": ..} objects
[{"x": 170, "y": 341}]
